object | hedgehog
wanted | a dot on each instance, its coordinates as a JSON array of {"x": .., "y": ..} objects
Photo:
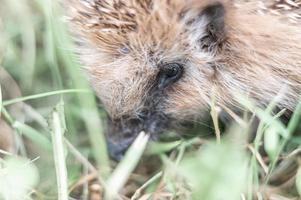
[{"x": 156, "y": 64}]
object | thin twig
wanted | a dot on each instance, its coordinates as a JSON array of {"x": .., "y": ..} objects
[
  {"x": 80, "y": 157},
  {"x": 147, "y": 183},
  {"x": 259, "y": 159}
]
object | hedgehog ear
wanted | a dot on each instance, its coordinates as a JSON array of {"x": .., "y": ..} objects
[
  {"x": 215, "y": 14},
  {"x": 209, "y": 26}
]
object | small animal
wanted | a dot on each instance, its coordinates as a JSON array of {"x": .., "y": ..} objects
[{"x": 157, "y": 63}]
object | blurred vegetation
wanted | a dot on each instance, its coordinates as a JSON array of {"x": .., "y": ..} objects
[{"x": 52, "y": 142}]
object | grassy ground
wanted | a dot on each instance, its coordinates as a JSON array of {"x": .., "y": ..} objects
[{"x": 52, "y": 143}]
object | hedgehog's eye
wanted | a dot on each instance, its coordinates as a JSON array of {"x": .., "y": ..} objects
[
  {"x": 172, "y": 70},
  {"x": 170, "y": 73}
]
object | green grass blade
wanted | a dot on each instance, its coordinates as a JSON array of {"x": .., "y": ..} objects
[
  {"x": 145, "y": 185},
  {"x": 126, "y": 166},
  {"x": 47, "y": 94},
  {"x": 155, "y": 148},
  {"x": 87, "y": 103},
  {"x": 298, "y": 181},
  {"x": 1, "y": 102},
  {"x": 271, "y": 142},
  {"x": 33, "y": 135},
  {"x": 59, "y": 157},
  {"x": 295, "y": 119},
  {"x": 264, "y": 115}
]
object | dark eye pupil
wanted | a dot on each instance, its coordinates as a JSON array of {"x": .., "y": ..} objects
[
  {"x": 172, "y": 70},
  {"x": 170, "y": 73}
]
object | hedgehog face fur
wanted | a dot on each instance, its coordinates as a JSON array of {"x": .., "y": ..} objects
[{"x": 155, "y": 63}]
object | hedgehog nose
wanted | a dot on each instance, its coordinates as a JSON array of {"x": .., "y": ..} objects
[
  {"x": 117, "y": 149},
  {"x": 120, "y": 135},
  {"x": 115, "y": 152}
]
